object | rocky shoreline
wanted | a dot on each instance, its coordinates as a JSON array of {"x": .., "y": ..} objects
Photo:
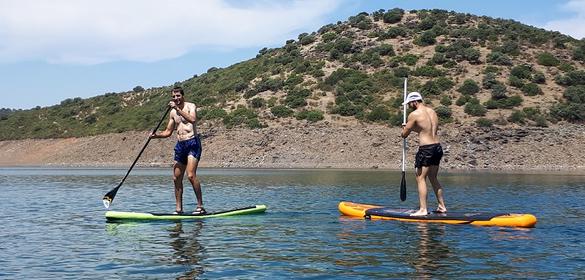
[{"x": 302, "y": 145}]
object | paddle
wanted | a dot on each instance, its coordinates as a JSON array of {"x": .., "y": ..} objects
[
  {"x": 403, "y": 181},
  {"x": 109, "y": 197}
]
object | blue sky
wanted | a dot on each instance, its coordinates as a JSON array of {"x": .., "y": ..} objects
[{"x": 59, "y": 49}]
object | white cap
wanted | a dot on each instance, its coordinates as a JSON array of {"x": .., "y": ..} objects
[{"x": 413, "y": 96}]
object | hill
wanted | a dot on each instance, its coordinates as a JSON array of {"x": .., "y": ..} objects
[{"x": 476, "y": 71}]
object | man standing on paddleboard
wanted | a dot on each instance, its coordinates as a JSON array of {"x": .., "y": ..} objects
[
  {"x": 188, "y": 148},
  {"x": 425, "y": 122}
]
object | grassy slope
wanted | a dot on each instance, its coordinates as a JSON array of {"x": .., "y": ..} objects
[{"x": 355, "y": 69}]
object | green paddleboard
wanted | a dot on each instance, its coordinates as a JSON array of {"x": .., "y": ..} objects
[{"x": 137, "y": 216}]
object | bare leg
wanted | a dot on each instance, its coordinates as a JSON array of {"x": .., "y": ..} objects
[
  {"x": 178, "y": 172},
  {"x": 192, "y": 164},
  {"x": 437, "y": 188},
  {"x": 421, "y": 175}
]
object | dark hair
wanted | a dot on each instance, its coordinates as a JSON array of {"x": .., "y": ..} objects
[{"x": 178, "y": 89}]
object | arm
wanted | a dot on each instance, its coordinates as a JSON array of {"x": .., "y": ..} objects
[
  {"x": 191, "y": 116},
  {"x": 168, "y": 130},
  {"x": 407, "y": 127}
]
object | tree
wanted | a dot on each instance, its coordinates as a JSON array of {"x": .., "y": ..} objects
[
  {"x": 138, "y": 89},
  {"x": 393, "y": 16}
]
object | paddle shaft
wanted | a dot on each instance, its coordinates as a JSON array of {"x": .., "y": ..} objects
[
  {"x": 404, "y": 143},
  {"x": 109, "y": 197}
]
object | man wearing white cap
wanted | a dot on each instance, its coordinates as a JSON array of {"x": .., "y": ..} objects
[{"x": 425, "y": 122}]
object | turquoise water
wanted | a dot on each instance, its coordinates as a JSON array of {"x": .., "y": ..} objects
[{"x": 53, "y": 227}]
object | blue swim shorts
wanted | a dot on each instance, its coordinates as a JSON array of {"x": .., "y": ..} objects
[{"x": 188, "y": 147}]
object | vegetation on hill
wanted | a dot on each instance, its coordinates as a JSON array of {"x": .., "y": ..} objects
[{"x": 473, "y": 70}]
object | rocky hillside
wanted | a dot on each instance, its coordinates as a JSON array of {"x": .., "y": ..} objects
[{"x": 474, "y": 70}]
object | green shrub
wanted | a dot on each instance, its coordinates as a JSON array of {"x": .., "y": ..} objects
[
  {"x": 575, "y": 94},
  {"x": 257, "y": 102},
  {"x": 446, "y": 100},
  {"x": 572, "y": 112},
  {"x": 499, "y": 91},
  {"x": 329, "y": 36},
  {"x": 547, "y": 59},
  {"x": 345, "y": 108},
  {"x": 472, "y": 55},
  {"x": 427, "y": 38},
  {"x": 431, "y": 88},
  {"x": 401, "y": 72},
  {"x": 491, "y": 69},
  {"x": 444, "y": 113},
  {"x": 469, "y": 87},
  {"x": 438, "y": 58},
  {"x": 444, "y": 83},
  {"x": 385, "y": 50},
  {"x": 361, "y": 21},
  {"x": 531, "y": 89},
  {"x": 394, "y": 32},
  {"x": 296, "y": 98},
  {"x": 498, "y": 58},
  {"x": 474, "y": 109},
  {"x": 540, "y": 121},
  {"x": 517, "y": 117},
  {"x": 509, "y": 47},
  {"x": 522, "y": 71},
  {"x": 281, "y": 111},
  {"x": 579, "y": 52},
  {"x": 311, "y": 115},
  {"x": 489, "y": 80},
  {"x": 293, "y": 80},
  {"x": 307, "y": 39},
  {"x": 343, "y": 45},
  {"x": 393, "y": 16},
  {"x": 427, "y": 71},
  {"x": 379, "y": 113},
  {"x": 572, "y": 78},
  {"x": 515, "y": 82},
  {"x": 491, "y": 104},
  {"x": 212, "y": 113},
  {"x": 483, "y": 122},
  {"x": 242, "y": 116},
  {"x": 463, "y": 99}
]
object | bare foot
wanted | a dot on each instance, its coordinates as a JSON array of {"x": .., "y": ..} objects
[
  {"x": 420, "y": 212},
  {"x": 441, "y": 209}
]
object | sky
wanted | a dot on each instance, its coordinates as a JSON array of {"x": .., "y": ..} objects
[{"x": 59, "y": 49}]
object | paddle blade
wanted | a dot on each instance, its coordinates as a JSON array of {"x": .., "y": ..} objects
[
  {"x": 109, "y": 197},
  {"x": 403, "y": 187}
]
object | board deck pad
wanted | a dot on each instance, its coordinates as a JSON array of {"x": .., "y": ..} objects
[
  {"x": 120, "y": 216},
  {"x": 451, "y": 215},
  {"x": 480, "y": 218}
]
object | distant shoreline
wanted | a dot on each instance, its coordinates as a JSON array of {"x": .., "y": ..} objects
[{"x": 360, "y": 147}]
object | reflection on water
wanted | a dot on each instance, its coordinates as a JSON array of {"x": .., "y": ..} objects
[
  {"x": 300, "y": 236},
  {"x": 188, "y": 251},
  {"x": 431, "y": 251}
]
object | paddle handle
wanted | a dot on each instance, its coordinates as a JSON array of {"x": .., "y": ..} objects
[
  {"x": 146, "y": 144},
  {"x": 109, "y": 197},
  {"x": 404, "y": 143}
]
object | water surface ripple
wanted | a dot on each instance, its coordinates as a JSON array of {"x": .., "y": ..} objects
[{"x": 53, "y": 227}]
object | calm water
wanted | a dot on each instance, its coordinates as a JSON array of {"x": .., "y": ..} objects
[{"x": 53, "y": 227}]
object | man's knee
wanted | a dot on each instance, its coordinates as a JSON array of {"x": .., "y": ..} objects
[{"x": 192, "y": 177}]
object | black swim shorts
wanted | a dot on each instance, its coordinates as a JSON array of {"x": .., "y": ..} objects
[{"x": 428, "y": 155}]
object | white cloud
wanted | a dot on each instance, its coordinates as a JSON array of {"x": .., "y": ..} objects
[
  {"x": 572, "y": 26},
  {"x": 91, "y": 32}
]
